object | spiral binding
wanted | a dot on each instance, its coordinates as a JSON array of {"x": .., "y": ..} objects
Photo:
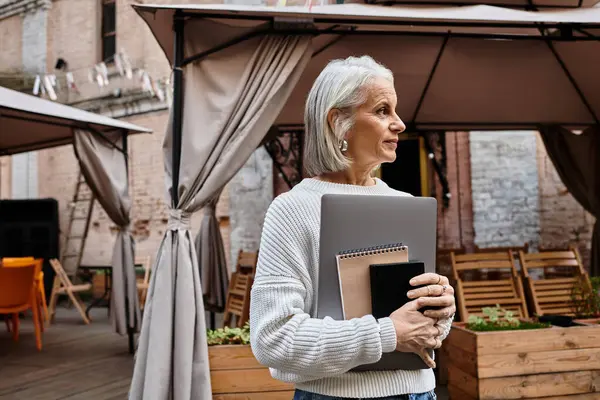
[{"x": 367, "y": 251}]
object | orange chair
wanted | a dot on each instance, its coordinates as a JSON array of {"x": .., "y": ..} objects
[
  {"x": 39, "y": 279},
  {"x": 18, "y": 293}
]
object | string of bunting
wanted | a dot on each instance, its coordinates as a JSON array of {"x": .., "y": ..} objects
[{"x": 51, "y": 85}]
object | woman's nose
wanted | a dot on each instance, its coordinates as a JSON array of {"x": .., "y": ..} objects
[{"x": 397, "y": 125}]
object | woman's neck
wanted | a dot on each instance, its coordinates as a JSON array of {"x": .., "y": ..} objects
[{"x": 349, "y": 177}]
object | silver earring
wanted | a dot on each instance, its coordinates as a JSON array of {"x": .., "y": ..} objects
[{"x": 344, "y": 145}]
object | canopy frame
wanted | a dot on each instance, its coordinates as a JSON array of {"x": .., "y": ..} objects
[
  {"x": 59, "y": 142},
  {"x": 564, "y": 32},
  {"x": 527, "y": 6},
  {"x": 178, "y": 27}
]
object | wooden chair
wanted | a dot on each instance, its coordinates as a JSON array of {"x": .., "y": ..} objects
[
  {"x": 443, "y": 261},
  {"x": 238, "y": 299},
  {"x": 472, "y": 296},
  {"x": 142, "y": 286},
  {"x": 554, "y": 295},
  {"x": 18, "y": 293},
  {"x": 64, "y": 286},
  {"x": 498, "y": 249},
  {"x": 556, "y": 272},
  {"x": 246, "y": 262}
]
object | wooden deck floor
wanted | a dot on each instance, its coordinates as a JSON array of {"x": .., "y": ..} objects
[{"x": 77, "y": 362}]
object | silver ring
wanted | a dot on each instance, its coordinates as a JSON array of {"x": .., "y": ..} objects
[
  {"x": 444, "y": 287},
  {"x": 439, "y": 279}
]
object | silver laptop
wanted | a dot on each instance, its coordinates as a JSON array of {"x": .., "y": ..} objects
[{"x": 359, "y": 221}]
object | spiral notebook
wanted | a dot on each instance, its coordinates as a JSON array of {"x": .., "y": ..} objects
[{"x": 355, "y": 279}]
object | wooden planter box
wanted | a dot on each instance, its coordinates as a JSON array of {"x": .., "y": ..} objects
[
  {"x": 236, "y": 375},
  {"x": 551, "y": 364},
  {"x": 589, "y": 321}
]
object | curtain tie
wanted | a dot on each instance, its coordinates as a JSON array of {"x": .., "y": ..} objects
[{"x": 179, "y": 219}]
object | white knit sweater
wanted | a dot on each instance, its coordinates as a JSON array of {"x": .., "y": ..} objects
[{"x": 316, "y": 354}]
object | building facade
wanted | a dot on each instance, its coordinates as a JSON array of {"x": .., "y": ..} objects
[{"x": 503, "y": 188}]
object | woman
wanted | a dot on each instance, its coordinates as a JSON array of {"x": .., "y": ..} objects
[{"x": 351, "y": 128}]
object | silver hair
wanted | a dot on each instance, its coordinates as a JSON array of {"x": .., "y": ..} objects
[{"x": 339, "y": 86}]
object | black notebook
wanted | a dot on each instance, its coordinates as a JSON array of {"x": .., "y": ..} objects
[{"x": 389, "y": 285}]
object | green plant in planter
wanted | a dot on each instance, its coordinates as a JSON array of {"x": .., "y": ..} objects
[
  {"x": 499, "y": 319},
  {"x": 228, "y": 335},
  {"x": 586, "y": 300}
]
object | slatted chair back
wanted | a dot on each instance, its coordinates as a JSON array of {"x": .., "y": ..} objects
[
  {"x": 472, "y": 296},
  {"x": 500, "y": 249},
  {"x": 246, "y": 262},
  {"x": 496, "y": 274},
  {"x": 443, "y": 262},
  {"x": 238, "y": 299},
  {"x": 554, "y": 295}
]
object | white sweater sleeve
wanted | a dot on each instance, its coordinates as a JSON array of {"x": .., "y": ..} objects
[{"x": 282, "y": 333}]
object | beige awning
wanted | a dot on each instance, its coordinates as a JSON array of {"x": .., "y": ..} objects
[
  {"x": 500, "y": 3},
  {"x": 30, "y": 123},
  {"x": 471, "y": 67}
]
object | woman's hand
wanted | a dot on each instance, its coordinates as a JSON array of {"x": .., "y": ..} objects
[
  {"x": 436, "y": 286},
  {"x": 415, "y": 332},
  {"x": 418, "y": 331}
]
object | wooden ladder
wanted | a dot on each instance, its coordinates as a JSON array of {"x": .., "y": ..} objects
[{"x": 78, "y": 227}]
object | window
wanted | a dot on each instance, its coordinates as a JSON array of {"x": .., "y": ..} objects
[{"x": 109, "y": 29}]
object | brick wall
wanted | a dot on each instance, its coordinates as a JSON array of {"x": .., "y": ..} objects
[
  {"x": 73, "y": 32},
  {"x": 11, "y": 43},
  {"x": 455, "y": 223},
  {"x": 34, "y": 58},
  {"x": 504, "y": 180}
]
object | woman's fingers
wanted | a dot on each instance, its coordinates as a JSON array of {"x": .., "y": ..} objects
[
  {"x": 430, "y": 291},
  {"x": 426, "y": 357},
  {"x": 429, "y": 278},
  {"x": 443, "y": 313},
  {"x": 439, "y": 301}
]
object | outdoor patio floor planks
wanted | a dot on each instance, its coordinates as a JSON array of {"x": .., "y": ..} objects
[{"x": 77, "y": 361}]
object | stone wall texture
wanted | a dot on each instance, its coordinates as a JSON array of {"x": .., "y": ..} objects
[{"x": 505, "y": 190}]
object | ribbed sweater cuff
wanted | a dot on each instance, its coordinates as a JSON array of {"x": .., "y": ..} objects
[{"x": 388, "y": 335}]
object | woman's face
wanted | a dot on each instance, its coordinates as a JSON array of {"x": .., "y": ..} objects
[{"x": 374, "y": 137}]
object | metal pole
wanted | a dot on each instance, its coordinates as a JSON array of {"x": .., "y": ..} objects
[
  {"x": 130, "y": 329},
  {"x": 177, "y": 105},
  {"x": 178, "y": 25}
]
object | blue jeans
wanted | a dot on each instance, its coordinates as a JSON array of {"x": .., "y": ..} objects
[{"x": 302, "y": 395}]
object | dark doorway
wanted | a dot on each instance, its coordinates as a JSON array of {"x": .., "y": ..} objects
[{"x": 408, "y": 173}]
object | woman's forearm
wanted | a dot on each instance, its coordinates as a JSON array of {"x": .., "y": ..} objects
[{"x": 286, "y": 338}]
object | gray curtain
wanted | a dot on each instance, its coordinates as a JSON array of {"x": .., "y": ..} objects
[
  {"x": 230, "y": 101},
  {"x": 105, "y": 170},
  {"x": 577, "y": 161},
  {"x": 212, "y": 262}
]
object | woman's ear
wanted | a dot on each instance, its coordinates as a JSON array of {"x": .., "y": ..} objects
[{"x": 332, "y": 118}]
